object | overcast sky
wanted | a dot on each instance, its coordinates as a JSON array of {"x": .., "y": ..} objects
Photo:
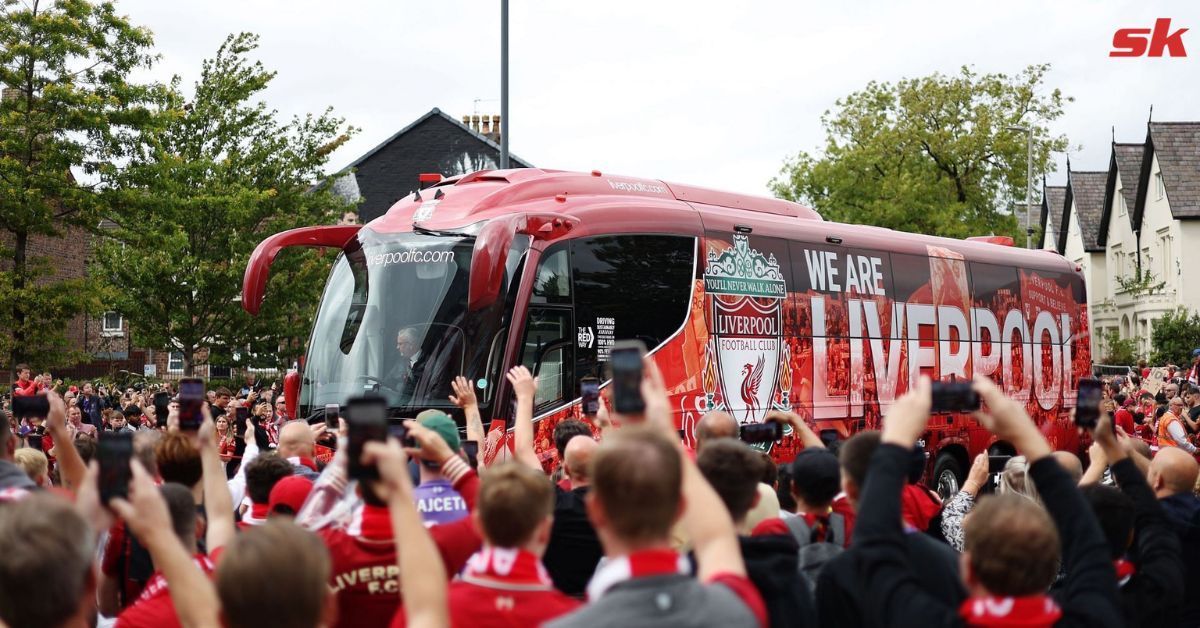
[{"x": 707, "y": 93}]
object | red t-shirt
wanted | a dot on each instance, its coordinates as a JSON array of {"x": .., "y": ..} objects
[
  {"x": 26, "y": 388},
  {"x": 1124, "y": 420},
  {"x": 366, "y": 578},
  {"x": 154, "y": 608}
]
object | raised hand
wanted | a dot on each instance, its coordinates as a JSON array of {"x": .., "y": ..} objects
[
  {"x": 1005, "y": 418},
  {"x": 908, "y": 417},
  {"x": 464, "y": 392},
  {"x": 523, "y": 382},
  {"x": 430, "y": 445},
  {"x": 978, "y": 474}
]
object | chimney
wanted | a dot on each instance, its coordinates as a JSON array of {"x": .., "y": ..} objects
[
  {"x": 496, "y": 128},
  {"x": 467, "y": 121},
  {"x": 487, "y": 126},
  {"x": 475, "y": 123}
]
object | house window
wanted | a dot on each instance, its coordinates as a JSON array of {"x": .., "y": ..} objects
[
  {"x": 112, "y": 324},
  {"x": 1159, "y": 188},
  {"x": 175, "y": 362},
  {"x": 1164, "y": 251}
]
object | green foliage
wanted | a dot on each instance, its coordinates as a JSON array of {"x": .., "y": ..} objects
[
  {"x": 1174, "y": 337},
  {"x": 931, "y": 154},
  {"x": 1118, "y": 351},
  {"x": 1141, "y": 282},
  {"x": 68, "y": 106},
  {"x": 221, "y": 175}
]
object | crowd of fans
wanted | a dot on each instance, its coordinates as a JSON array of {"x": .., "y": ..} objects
[{"x": 268, "y": 528}]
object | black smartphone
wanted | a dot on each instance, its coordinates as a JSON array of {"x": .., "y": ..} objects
[
  {"x": 954, "y": 397},
  {"x": 162, "y": 408},
  {"x": 625, "y": 361},
  {"x": 996, "y": 464},
  {"x": 1087, "y": 402},
  {"x": 30, "y": 407},
  {"x": 471, "y": 448},
  {"x": 766, "y": 432},
  {"x": 332, "y": 411},
  {"x": 366, "y": 419},
  {"x": 399, "y": 432},
  {"x": 589, "y": 395},
  {"x": 191, "y": 402},
  {"x": 114, "y": 450}
]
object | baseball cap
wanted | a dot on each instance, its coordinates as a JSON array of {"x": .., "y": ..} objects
[
  {"x": 441, "y": 423},
  {"x": 1195, "y": 352},
  {"x": 818, "y": 469},
  {"x": 290, "y": 492}
]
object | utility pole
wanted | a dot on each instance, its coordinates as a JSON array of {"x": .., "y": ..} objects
[
  {"x": 504, "y": 124},
  {"x": 1028, "y": 130}
]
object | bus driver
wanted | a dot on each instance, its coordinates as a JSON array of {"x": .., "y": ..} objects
[{"x": 406, "y": 371}]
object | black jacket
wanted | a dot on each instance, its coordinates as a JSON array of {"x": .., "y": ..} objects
[
  {"x": 839, "y": 592},
  {"x": 574, "y": 549},
  {"x": 1152, "y": 595},
  {"x": 1183, "y": 515},
  {"x": 772, "y": 562},
  {"x": 891, "y": 587}
]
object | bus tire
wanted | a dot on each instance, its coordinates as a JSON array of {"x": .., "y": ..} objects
[{"x": 947, "y": 475}]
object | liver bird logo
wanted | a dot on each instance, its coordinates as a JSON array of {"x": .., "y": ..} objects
[{"x": 751, "y": 380}]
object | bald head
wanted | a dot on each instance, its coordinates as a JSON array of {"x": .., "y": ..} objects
[
  {"x": 1071, "y": 463},
  {"x": 1172, "y": 472},
  {"x": 715, "y": 425},
  {"x": 296, "y": 439},
  {"x": 577, "y": 458}
]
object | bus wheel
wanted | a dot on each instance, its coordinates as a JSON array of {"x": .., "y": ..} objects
[{"x": 947, "y": 475}]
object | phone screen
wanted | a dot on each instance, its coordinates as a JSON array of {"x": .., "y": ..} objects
[
  {"x": 114, "y": 451},
  {"x": 626, "y": 364},
  {"x": 332, "y": 411},
  {"x": 767, "y": 432},
  {"x": 589, "y": 395},
  {"x": 191, "y": 400},
  {"x": 366, "y": 418},
  {"x": 1087, "y": 403}
]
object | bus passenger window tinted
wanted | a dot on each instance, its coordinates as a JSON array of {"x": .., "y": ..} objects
[
  {"x": 553, "y": 283},
  {"x": 628, "y": 287},
  {"x": 548, "y": 342}
]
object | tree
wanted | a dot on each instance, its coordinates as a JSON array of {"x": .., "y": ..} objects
[
  {"x": 930, "y": 155},
  {"x": 68, "y": 104},
  {"x": 223, "y": 174},
  {"x": 1174, "y": 337},
  {"x": 1118, "y": 351}
]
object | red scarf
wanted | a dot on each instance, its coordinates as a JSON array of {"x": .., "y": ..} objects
[
  {"x": 307, "y": 462},
  {"x": 643, "y": 564},
  {"x": 507, "y": 568},
  {"x": 1032, "y": 611}
]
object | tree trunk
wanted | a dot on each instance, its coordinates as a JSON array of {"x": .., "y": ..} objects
[
  {"x": 21, "y": 243},
  {"x": 189, "y": 361}
]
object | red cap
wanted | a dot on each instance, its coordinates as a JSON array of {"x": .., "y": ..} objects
[
  {"x": 74, "y": 389},
  {"x": 291, "y": 492},
  {"x": 1145, "y": 373}
]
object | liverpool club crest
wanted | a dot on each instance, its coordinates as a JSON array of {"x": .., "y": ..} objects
[{"x": 748, "y": 372}]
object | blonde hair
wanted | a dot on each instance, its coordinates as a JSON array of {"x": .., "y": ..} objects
[
  {"x": 1015, "y": 480},
  {"x": 34, "y": 463}
]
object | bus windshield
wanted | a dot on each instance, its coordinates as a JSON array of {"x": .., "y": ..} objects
[{"x": 394, "y": 321}]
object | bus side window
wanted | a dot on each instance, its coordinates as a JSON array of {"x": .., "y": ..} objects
[{"x": 548, "y": 348}]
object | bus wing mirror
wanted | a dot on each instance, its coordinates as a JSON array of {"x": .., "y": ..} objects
[
  {"x": 488, "y": 260},
  {"x": 258, "y": 269}
]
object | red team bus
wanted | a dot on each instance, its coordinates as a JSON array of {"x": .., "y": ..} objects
[{"x": 747, "y": 304}]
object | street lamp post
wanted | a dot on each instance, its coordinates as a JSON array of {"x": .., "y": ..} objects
[
  {"x": 1028, "y": 130},
  {"x": 504, "y": 124}
]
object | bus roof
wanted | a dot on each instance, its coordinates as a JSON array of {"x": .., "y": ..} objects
[{"x": 471, "y": 198}]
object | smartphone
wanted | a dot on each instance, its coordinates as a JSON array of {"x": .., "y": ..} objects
[
  {"x": 589, "y": 395},
  {"x": 191, "y": 400},
  {"x": 954, "y": 397},
  {"x": 1087, "y": 403},
  {"x": 625, "y": 361},
  {"x": 29, "y": 407},
  {"x": 162, "y": 408},
  {"x": 399, "y": 432},
  {"x": 366, "y": 418},
  {"x": 471, "y": 448},
  {"x": 766, "y": 432},
  {"x": 996, "y": 464},
  {"x": 114, "y": 450},
  {"x": 332, "y": 410}
]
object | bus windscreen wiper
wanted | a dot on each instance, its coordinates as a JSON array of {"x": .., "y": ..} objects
[{"x": 439, "y": 232}]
